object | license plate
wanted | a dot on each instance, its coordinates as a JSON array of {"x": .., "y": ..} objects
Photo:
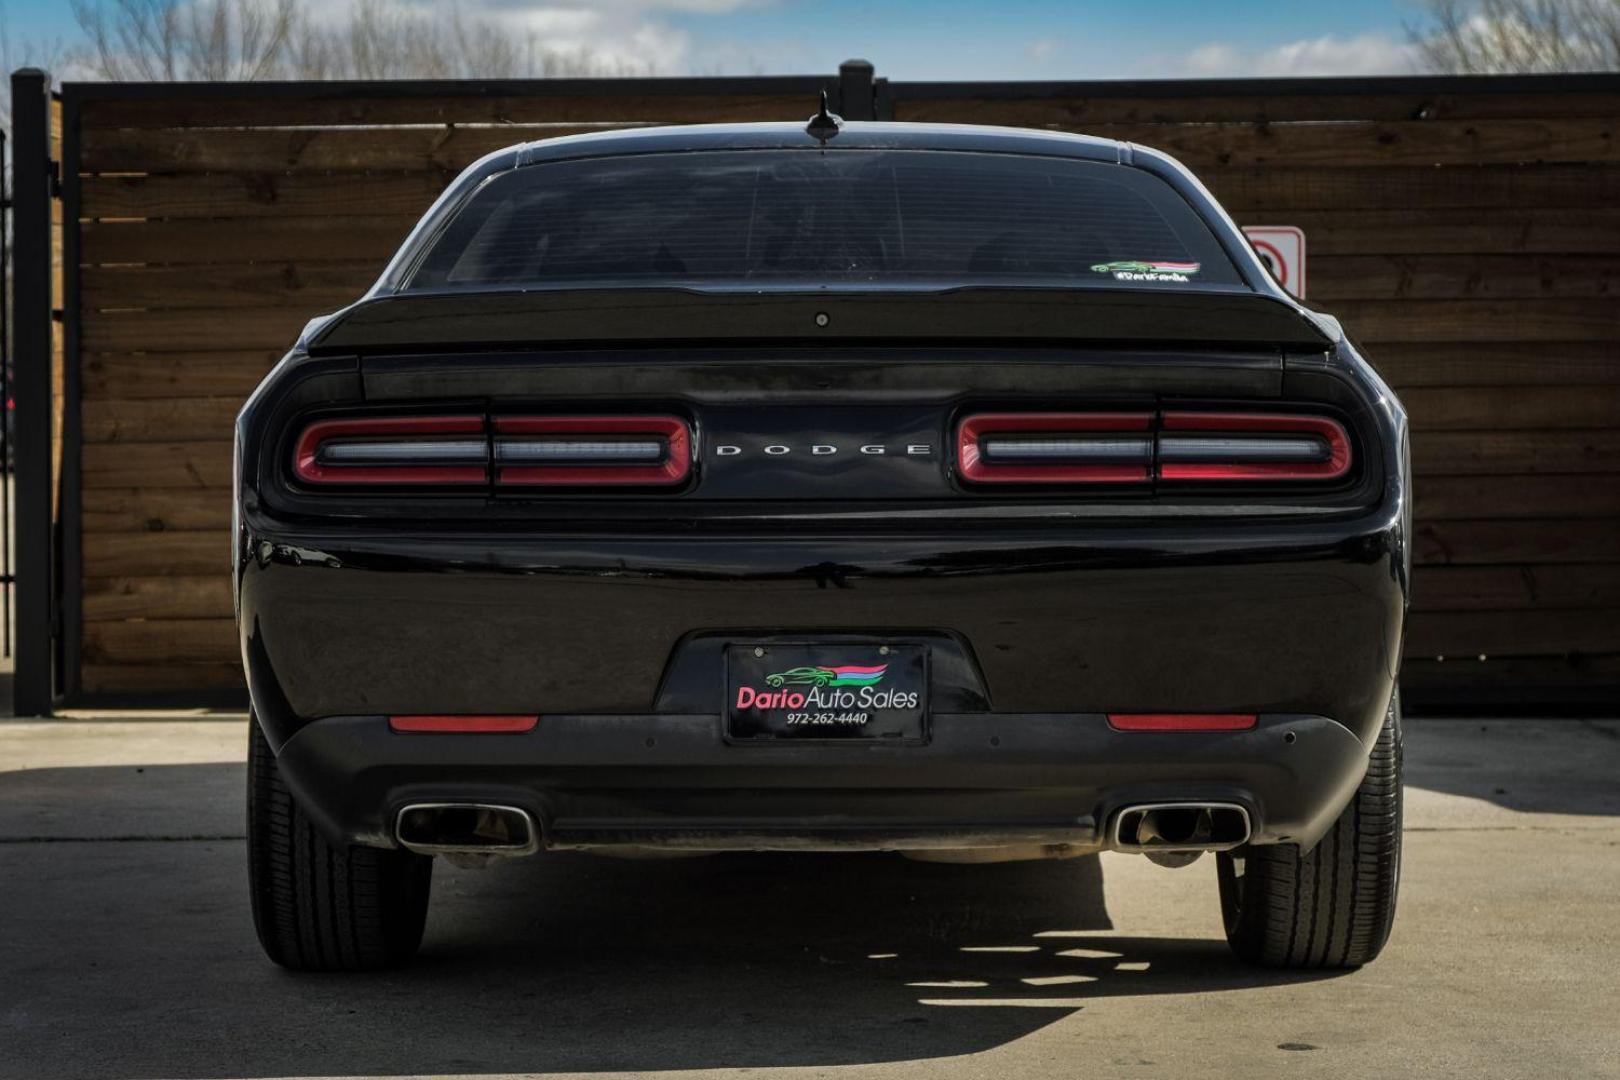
[{"x": 827, "y": 692}]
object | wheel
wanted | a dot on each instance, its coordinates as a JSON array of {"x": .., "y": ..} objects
[
  {"x": 1330, "y": 907},
  {"x": 316, "y": 906}
]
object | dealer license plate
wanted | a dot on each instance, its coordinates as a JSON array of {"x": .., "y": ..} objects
[{"x": 827, "y": 692}]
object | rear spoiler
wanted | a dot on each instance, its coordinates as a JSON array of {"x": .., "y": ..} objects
[{"x": 507, "y": 318}]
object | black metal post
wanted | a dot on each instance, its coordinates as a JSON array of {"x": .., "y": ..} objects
[
  {"x": 7, "y": 581},
  {"x": 32, "y": 181},
  {"x": 70, "y": 571},
  {"x": 855, "y": 90}
]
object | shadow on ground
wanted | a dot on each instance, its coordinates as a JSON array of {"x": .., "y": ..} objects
[
  {"x": 559, "y": 963},
  {"x": 1515, "y": 765}
]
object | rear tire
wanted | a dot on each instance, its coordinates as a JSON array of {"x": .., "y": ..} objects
[
  {"x": 318, "y": 906},
  {"x": 1331, "y": 907}
]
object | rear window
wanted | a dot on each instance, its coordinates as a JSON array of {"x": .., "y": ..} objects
[{"x": 798, "y": 218}]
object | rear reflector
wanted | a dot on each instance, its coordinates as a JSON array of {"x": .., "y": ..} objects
[
  {"x": 463, "y": 724},
  {"x": 393, "y": 450},
  {"x": 1182, "y": 721},
  {"x": 1271, "y": 447},
  {"x": 592, "y": 450},
  {"x": 1043, "y": 448}
]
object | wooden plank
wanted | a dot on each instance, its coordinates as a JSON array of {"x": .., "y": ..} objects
[
  {"x": 1340, "y": 145},
  {"x": 175, "y": 375},
  {"x": 1512, "y": 633},
  {"x": 1357, "y": 143},
  {"x": 248, "y": 240},
  {"x": 151, "y": 554},
  {"x": 1496, "y": 363},
  {"x": 1539, "y": 541},
  {"x": 160, "y": 678},
  {"x": 1247, "y": 192},
  {"x": 1255, "y": 192},
  {"x": 1452, "y": 453},
  {"x": 1335, "y": 279},
  {"x": 309, "y": 286},
  {"x": 108, "y": 420},
  {"x": 360, "y": 238},
  {"x": 146, "y": 509},
  {"x": 1514, "y": 588},
  {"x": 1556, "y": 231},
  {"x": 1448, "y": 498},
  {"x": 157, "y": 465},
  {"x": 208, "y": 331},
  {"x": 269, "y": 194},
  {"x": 464, "y": 103},
  {"x": 1509, "y": 408},
  {"x": 161, "y": 641},
  {"x": 446, "y": 150},
  {"x": 1034, "y": 105},
  {"x": 1463, "y": 675},
  {"x": 167, "y": 597},
  {"x": 1556, "y": 318}
]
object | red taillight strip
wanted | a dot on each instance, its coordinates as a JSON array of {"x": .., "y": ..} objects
[
  {"x": 975, "y": 468},
  {"x": 447, "y": 724},
  {"x": 1182, "y": 721},
  {"x": 1336, "y": 465},
  {"x": 674, "y": 469},
  {"x": 308, "y": 468}
]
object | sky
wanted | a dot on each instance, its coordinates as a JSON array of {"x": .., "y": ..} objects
[{"x": 935, "y": 39}]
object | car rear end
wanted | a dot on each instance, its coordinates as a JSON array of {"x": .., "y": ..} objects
[{"x": 1028, "y": 516}]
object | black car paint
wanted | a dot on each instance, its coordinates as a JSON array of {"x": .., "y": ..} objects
[{"x": 596, "y": 611}]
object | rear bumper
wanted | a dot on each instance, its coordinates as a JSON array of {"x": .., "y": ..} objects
[
  {"x": 616, "y": 643},
  {"x": 1295, "y": 618},
  {"x": 981, "y": 780}
]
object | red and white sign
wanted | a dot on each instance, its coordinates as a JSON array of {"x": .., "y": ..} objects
[{"x": 1282, "y": 248}]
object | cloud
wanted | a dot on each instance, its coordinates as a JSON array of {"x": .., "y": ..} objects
[
  {"x": 631, "y": 35},
  {"x": 1042, "y": 49},
  {"x": 1366, "y": 54}
]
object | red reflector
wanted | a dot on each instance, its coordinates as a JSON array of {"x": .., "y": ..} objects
[
  {"x": 1131, "y": 465},
  {"x": 1334, "y": 465},
  {"x": 309, "y": 468},
  {"x": 463, "y": 724},
  {"x": 1182, "y": 721},
  {"x": 673, "y": 469}
]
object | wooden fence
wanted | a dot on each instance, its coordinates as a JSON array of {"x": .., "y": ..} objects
[{"x": 1467, "y": 231}]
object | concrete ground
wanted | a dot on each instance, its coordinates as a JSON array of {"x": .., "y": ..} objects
[{"x": 126, "y": 948}]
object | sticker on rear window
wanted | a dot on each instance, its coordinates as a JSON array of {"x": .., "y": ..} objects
[{"x": 1133, "y": 270}]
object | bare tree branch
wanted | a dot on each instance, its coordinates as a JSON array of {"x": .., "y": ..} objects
[
  {"x": 1520, "y": 36},
  {"x": 161, "y": 40}
]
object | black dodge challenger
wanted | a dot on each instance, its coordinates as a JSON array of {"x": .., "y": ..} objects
[{"x": 971, "y": 493}]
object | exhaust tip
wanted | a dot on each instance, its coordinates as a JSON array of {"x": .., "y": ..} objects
[
  {"x": 466, "y": 828},
  {"x": 1180, "y": 826}
]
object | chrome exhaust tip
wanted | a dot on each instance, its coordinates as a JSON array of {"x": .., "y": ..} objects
[
  {"x": 1163, "y": 828},
  {"x": 466, "y": 829}
]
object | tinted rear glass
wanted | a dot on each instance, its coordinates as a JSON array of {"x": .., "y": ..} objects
[{"x": 839, "y": 217}]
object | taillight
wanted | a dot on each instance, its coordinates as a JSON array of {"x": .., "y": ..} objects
[
  {"x": 592, "y": 450},
  {"x": 1120, "y": 447},
  {"x": 393, "y": 450},
  {"x": 1251, "y": 446},
  {"x": 1055, "y": 448}
]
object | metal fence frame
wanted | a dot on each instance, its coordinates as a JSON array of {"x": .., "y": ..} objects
[{"x": 48, "y": 537}]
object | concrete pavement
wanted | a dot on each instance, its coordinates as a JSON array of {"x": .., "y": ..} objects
[{"x": 126, "y": 949}]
